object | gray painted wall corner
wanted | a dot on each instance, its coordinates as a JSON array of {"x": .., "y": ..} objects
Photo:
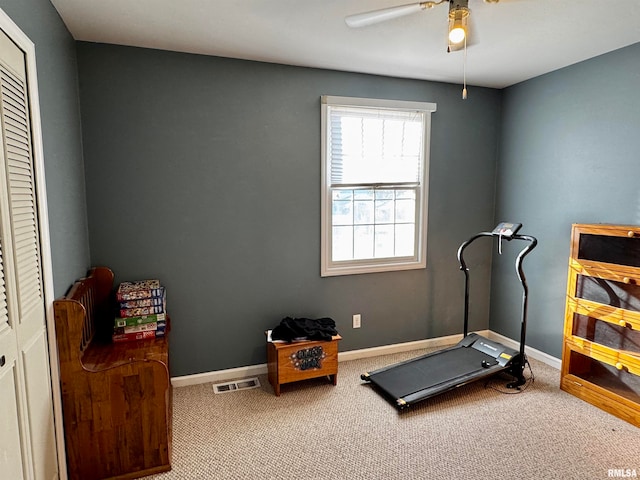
[
  {"x": 568, "y": 154},
  {"x": 205, "y": 172},
  {"x": 61, "y": 132}
]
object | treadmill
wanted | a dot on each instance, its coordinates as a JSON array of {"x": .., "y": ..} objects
[{"x": 473, "y": 358}]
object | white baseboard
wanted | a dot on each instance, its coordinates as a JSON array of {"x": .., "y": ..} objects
[
  {"x": 529, "y": 351},
  {"x": 261, "y": 369},
  {"x": 220, "y": 375},
  {"x": 403, "y": 347}
]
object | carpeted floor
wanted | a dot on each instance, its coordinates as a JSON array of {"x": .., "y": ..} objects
[{"x": 317, "y": 431}]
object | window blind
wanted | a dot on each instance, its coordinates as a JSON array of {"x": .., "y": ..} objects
[{"x": 372, "y": 146}]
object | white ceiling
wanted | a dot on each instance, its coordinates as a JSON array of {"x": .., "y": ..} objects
[{"x": 513, "y": 40}]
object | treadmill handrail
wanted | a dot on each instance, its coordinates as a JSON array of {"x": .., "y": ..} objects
[{"x": 520, "y": 272}]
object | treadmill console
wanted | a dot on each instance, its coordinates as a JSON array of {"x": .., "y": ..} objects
[{"x": 506, "y": 230}]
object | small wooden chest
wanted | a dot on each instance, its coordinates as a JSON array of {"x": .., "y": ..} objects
[{"x": 292, "y": 362}]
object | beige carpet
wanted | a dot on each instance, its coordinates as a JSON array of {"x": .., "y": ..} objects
[{"x": 317, "y": 431}]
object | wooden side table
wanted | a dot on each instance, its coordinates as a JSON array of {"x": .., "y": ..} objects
[{"x": 292, "y": 362}]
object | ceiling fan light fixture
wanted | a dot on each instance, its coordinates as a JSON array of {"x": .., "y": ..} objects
[
  {"x": 458, "y": 21},
  {"x": 457, "y": 34}
]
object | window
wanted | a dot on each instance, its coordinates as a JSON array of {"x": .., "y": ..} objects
[{"x": 375, "y": 159}]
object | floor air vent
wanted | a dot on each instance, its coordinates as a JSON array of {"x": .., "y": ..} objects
[{"x": 236, "y": 385}]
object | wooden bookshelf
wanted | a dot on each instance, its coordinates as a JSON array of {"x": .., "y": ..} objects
[{"x": 601, "y": 346}]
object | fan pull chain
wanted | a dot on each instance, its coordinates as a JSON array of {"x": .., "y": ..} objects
[{"x": 464, "y": 70}]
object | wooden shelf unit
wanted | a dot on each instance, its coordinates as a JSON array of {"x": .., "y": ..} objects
[{"x": 601, "y": 346}]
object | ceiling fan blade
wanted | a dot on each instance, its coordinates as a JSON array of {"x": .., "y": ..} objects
[{"x": 377, "y": 16}]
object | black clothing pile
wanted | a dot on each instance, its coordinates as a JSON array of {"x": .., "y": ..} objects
[{"x": 304, "y": 329}]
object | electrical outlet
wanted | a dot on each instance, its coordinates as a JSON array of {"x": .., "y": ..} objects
[{"x": 356, "y": 320}]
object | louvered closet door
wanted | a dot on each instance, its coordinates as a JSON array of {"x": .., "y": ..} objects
[{"x": 27, "y": 449}]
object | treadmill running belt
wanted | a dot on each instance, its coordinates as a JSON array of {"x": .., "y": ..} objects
[{"x": 429, "y": 371}]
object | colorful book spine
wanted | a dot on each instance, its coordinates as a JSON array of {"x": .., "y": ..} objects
[
  {"x": 156, "y": 301},
  {"x": 132, "y": 321},
  {"x": 143, "y": 327},
  {"x": 141, "y": 311},
  {"x": 138, "y": 290},
  {"x": 131, "y": 337}
]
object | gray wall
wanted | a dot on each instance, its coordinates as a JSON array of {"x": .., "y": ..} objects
[
  {"x": 205, "y": 173},
  {"x": 569, "y": 154},
  {"x": 60, "y": 114}
]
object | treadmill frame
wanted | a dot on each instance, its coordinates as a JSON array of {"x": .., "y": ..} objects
[{"x": 507, "y": 360}]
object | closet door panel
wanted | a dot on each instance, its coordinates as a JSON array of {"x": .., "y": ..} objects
[{"x": 22, "y": 305}]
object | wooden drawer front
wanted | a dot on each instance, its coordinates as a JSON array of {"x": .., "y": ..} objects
[
  {"x": 622, "y": 361},
  {"x": 618, "y": 273},
  {"x": 614, "y": 335},
  {"x": 603, "y": 398},
  {"x": 616, "y": 292},
  {"x": 606, "y": 313},
  {"x": 307, "y": 360},
  {"x": 619, "y": 245},
  {"x": 587, "y": 371}
]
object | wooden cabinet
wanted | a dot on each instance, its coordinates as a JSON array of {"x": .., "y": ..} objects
[{"x": 601, "y": 351}]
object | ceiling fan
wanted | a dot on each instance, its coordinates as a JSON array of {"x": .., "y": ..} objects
[{"x": 458, "y": 18}]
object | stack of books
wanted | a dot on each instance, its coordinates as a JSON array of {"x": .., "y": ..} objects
[{"x": 142, "y": 311}]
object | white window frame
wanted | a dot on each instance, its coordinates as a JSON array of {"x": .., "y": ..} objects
[{"x": 329, "y": 267}]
